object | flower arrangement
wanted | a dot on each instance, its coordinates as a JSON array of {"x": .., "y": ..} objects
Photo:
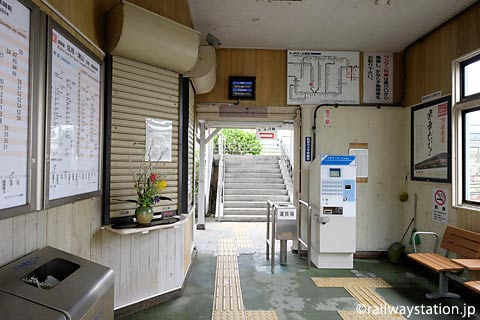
[{"x": 148, "y": 186}]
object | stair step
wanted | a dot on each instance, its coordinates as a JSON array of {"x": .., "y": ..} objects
[
  {"x": 265, "y": 192},
  {"x": 250, "y": 158},
  {"x": 245, "y": 204},
  {"x": 254, "y": 179},
  {"x": 241, "y": 175},
  {"x": 240, "y": 218},
  {"x": 259, "y": 184},
  {"x": 244, "y": 211},
  {"x": 254, "y": 165},
  {"x": 252, "y": 169},
  {"x": 256, "y": 198}
]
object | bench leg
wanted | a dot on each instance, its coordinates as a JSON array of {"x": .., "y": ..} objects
[{"x": 442, "y": 290}]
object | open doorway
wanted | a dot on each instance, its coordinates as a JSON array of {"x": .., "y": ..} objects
[{"x": 244, "y": 167}]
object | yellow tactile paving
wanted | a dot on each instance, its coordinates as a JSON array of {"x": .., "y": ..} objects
[
  {"x": 227, "y": 247},
  {"x": 361, "y": 290},
  {"x": 243, "y": 240},
  {"x": 227, "y": 298},
  {"x": 366, "y": 296},
  {"x": 351, "y": 282},
  {"x": 228, "y": 293},
  {"x": 228, "y": 315},
  {"x": 261, "y": 315},
  {"x": 244, "y": 315},
  {"x": 354, "y": 315}
]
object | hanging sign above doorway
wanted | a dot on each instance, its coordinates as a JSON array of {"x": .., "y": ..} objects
[{"x": 266, "y": 134}]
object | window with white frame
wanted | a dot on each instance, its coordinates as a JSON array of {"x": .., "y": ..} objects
[{"x": 466, "y": 98}]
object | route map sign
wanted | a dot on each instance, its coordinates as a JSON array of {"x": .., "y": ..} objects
[
  {"x": 317, "y": 77},
  {"x": 74, "y": 119},
  {"x": 14, "y": 103}
]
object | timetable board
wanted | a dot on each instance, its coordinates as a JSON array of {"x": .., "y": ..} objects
[
  {"x": 14, "y": 102},
  {"x": 75, "y": 84}
]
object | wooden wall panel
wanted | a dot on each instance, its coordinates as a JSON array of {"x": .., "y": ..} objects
[
  {"x": 87, "y": 15},
  {"x": 177, "y": 10},
  {"x": 90, "y": 15},
  {"x": 269, "y": 66},
  {"x": 429, "y": 69},
  {"x": 428, "y": 61},
  {"x": 144, "y": 264}
]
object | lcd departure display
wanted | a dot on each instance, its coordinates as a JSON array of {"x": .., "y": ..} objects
[{"x": 240, "y": 88}]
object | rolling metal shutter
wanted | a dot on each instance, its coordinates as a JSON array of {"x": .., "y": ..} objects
[
  {"x": 191, "y": 146},
  {"x": 140, "y": 91}
]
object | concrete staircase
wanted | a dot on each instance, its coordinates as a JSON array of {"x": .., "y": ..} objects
[
  {"x": 270, "y": 147},
  {"x": 249, "y": 182}
]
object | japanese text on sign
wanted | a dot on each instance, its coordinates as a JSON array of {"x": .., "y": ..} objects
[
  {"x": 378, "y": 78},
  {"x": 14, "y": 105},
  {"x": 74, "y": 120}
]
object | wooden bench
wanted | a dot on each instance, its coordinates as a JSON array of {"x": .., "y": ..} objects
[
  {"x": 474, "y": 285},
  {"x": 460, "y": 241}
]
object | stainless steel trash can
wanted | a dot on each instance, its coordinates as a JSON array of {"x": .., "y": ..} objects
[
  {"x": 15, "y": 308},
  {"x": 56, "y": 280}
]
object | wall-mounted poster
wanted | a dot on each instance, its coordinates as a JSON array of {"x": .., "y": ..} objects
[
  {"x": 158, "y": 136},
  {"x": 430, "y": 141},
  {"x": 14, "y": 103},
  {"x": 378, "y": 78},
  {"x": 73, "y": 155}
]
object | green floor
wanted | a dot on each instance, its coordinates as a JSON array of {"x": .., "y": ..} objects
[{"x": 293, "y": 295}]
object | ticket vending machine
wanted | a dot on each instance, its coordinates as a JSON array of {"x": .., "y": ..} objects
[{"x": 332, "y": 194}]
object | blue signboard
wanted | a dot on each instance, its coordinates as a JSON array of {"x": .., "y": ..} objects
[
  {"x": 338, "y": 160},
  {"x": 308, "y": 149}
]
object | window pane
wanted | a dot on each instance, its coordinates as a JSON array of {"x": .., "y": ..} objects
[
  {"x": 472, "y": 156},
  {"x": 472, "y": 78}
]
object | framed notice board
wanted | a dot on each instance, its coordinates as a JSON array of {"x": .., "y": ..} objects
[
  {"x": 19, "y": 61},
  {"x": 73, "y": 119},
  {"x": 431, "y": 141}
]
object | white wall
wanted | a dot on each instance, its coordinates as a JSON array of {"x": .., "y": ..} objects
[
  {"x": 379, "y": 210},
  {"x": 424, "y": 191}
]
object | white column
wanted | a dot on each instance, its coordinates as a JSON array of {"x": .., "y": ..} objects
[{"x": 201, "y": 180}]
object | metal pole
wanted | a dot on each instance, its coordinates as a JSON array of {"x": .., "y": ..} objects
[
  {"x": 283, "y": 252},
  {"x": 272, "y": 243},
  {"x": 309, "y": 232},
  {"x": 267, "y": 239},
  {"x": 309, "y": 237}
]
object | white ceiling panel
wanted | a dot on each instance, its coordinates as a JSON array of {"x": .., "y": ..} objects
[{"x": 366, "y": 25}]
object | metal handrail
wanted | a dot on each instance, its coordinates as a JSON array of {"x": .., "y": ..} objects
[
  {"x": 221, "y": 179},
  {"x": 308, "y": 243},
  {"x": 286, "y": 158}
]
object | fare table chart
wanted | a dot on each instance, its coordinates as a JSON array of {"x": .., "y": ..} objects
[
  {"x": 74, "y": 119},
  {"x": 14, "y": 102}
]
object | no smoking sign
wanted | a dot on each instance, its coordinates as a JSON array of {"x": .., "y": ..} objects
[
  {"x": 440, "y": 197},
  {"x": 440, "y": 207}
]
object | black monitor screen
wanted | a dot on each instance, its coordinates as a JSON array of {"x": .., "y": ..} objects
[{"x": 241, "y": 88}]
